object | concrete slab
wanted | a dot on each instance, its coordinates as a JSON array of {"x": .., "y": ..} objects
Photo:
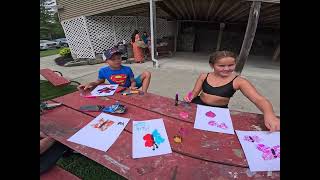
[{"x": 179, "y": 73}]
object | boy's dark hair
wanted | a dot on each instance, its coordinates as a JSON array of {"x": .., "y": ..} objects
[
  {"x": 221, "y": 54},
  {"x": 107, "y": 54}
]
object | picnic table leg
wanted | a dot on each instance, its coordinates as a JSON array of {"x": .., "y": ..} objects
[
  {"x": 76, "y": 82},
  {"x": 58, "y": 72}
]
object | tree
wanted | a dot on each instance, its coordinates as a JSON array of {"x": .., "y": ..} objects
[{"x": 50, "y": 26}]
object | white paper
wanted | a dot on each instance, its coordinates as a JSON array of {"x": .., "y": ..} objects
[
  {"x": 149, "y": 139},
  {"x": 96, "y": 90},
  {"x": 98, "y": 135},
  {"x": 213, "y": 119},
  {"x": 262, "y": 149}
]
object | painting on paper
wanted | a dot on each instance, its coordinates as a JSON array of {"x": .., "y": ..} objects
[
  {"x": 149, "y": 139},
  {"x": 104, "y": 90},
  {"x": 213, "y": 119},
  {"x": 101, "y": 132},
  {"x": 262, "y": 149}
]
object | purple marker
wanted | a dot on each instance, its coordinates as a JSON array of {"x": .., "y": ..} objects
[{"x": 177, "y": 99}]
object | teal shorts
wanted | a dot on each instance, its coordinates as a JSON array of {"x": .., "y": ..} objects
[{"x": 138, "y": 81}]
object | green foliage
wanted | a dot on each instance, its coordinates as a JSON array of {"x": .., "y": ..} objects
[{"x": 65, "y": 52}]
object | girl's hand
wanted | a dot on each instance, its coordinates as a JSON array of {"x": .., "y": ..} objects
[
  {"x": 272, "y": 122},
  {"x": 186, "y": 98}
]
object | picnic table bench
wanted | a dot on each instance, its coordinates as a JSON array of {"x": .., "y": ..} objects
[
  {"x": 201, "y": 155},
  {"x": 54, "y": 78}
]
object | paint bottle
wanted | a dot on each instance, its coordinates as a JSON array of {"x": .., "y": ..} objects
[{"x": 177, "y": 99}]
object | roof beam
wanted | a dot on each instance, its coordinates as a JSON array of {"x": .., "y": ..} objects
[
  {"x": 169, "y": 5},
  {"x": 177, "y": 8},
  {"x": 237, "y": 14},
  {"x": 231, "y": 9},
  {"x": 267, "y": 1},
  {"x": 209, "y": 10},
  {"x": 167, "y": 10},
  {"x": 183, "y": 2},
  {"x": 224, "y": 3},
  {"x": 193, "y": 10}
]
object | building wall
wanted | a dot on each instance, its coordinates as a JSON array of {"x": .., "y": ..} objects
[
  {"x": 77, "y": 34},
  {"x": 75, "y": 8},
  {"x": 203, "y": 37},
  {"x": 91, "y": 35}
]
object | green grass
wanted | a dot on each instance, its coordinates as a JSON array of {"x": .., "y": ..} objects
[
  {"x": 48, "y": 91},
  {"x": 85, "y": 168},
  {"x": 76, "y": 164},
  {"x": 49, "y": 52}
]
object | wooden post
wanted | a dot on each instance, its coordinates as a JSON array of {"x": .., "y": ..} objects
[
  {"x": 249, "y": 35},
  {"x": 276, "y": 54},
  {"x": 153, "y": 29},
  {"x": 222, "y": 25},
  {"x": 176, "y": 36}
]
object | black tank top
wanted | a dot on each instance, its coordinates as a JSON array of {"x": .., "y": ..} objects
[{"x": 223, "y": 91}]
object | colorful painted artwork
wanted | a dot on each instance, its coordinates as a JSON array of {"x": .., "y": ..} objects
[
  {"x": 103, "y": 124},
  {"x": 213, "y": 119},
  {"x": 101, "y": 132},
  {"x": 149, "y": 139},
  {"x": 262, "y": 149},
  {"x": 104, "y": 90}
]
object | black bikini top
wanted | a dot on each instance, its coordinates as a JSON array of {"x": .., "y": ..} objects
[{"x": 223, "y": 91}]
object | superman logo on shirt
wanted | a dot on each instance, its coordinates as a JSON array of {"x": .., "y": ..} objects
[{"x": 119, "y": 78}]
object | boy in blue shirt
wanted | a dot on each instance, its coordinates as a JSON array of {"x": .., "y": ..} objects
[{"x": 116, "y": 73}]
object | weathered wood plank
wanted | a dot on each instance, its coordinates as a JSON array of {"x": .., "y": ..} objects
[{"x": 249, "y": 35}]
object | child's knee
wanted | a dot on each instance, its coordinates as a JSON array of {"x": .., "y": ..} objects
[{"x": 147, "y": 74}]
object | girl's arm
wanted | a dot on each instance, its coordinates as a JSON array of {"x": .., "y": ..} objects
[
  {"x": 247, "y": 89},
  {"x": 197, "y": 88}
]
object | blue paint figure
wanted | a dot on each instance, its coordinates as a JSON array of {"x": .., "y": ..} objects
[{"x": 157, "y": 137}]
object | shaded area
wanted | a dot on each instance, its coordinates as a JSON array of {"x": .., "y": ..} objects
[
  {"x": 228, "y": 11},
  {"x": 61, "y": 61}
]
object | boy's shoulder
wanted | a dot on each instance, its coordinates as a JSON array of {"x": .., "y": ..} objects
[
  {"x": 104, "y": 68},
  {"x": 125, "y": 67},
  {"x": 107, "y": 68}
]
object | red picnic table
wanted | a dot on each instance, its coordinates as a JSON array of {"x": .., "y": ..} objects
[{"x": 201, "y": 155}]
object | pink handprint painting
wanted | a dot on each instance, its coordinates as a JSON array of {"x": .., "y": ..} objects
[
  {"x": 218, "y": 124},
  {"x": 210, "y": 114},
  {"x": 262, "y": 149},
  {"x": 269, "y": 153},
  {"x": 213, "y": 119},
  {"x": 252, "y": 139}
]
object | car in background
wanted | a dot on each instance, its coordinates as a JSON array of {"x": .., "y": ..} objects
[
  {"x": 46, "y": 44},
  {"x": 62, "y": 42}
]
